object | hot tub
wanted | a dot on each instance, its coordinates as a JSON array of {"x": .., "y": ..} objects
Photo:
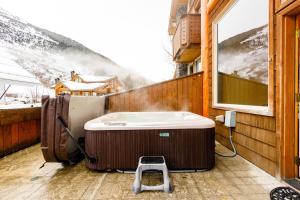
[{"x": 117, "y": 140}]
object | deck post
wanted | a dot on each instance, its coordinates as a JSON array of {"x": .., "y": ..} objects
[{"x": 205, "y": 56}]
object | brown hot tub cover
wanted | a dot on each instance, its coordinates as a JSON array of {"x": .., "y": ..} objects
[{"x": 56, "y": 144}]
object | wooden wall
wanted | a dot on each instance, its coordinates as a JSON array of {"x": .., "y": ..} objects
[
  {"x": 19, "y": 128},
  {"x": 254, "y": 135},
  {"x": 178, "y": 94}
]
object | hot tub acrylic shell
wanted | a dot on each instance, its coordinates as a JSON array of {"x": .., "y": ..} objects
[{"x": 117, "y": 140}]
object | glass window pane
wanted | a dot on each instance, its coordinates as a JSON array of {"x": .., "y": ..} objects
[
  {"x": 242, "y": 54},
  {"x": 198, "y": 66}
]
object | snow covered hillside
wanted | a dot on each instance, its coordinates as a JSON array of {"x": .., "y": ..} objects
[
  {"x": 48, "y": 55},
  {"x": 246, "y": 55}
]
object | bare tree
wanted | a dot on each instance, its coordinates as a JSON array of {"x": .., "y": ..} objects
[
  {"x": 169, "y": 54},
  {"x": 34, "y": 94}
]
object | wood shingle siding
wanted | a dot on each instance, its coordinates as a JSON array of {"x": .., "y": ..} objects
[{"x": 254, "y": 135}]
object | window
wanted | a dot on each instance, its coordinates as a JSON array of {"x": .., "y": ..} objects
[
  {"x": 181, "y": 69},
  {"x": 197, "y": 66},
  {"x": 240, "y": 55}
]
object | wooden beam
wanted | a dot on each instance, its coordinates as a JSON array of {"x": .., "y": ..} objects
[
  {"x": 205, "y": 56},
  {"x": 210, "y": 5},
  {"x": 288, "y": 134}
]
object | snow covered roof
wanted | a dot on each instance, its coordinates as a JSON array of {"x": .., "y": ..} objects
[
  {"x": 12, "y": 73},
  {"x": 75, "y": 86},
  {"x": 93, "y": 79},
  {"x": 18, "y": 79}
]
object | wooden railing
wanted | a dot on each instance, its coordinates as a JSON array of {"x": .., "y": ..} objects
[
  {"x": 182, "y": 94},
  {"x": 19, "y": 128},
  {"x": 187, "y": 35}
]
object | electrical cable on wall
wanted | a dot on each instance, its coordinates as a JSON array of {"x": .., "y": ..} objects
[
  {"x": 229, "y": 121},
  {"x": 234, "y": 153}
]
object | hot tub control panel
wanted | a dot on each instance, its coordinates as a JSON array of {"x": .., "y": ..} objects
[{"x": 230, "y": 118}]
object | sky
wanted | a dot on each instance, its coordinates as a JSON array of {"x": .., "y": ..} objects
[
  {"x": 133, "y": 33},
  {"x": 244, "y": 15}
]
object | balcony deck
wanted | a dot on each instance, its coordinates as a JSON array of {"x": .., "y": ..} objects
[
  {"x": 187, "y": 39},
  {"x": 232, "y": 178}
]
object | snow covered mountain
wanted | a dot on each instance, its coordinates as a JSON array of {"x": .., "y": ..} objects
[
  {"x": 48, "y": 55},
  {"x": 246, "y": 55}
]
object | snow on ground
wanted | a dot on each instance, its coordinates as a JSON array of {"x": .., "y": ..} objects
[{"x": 19, "y": 106}]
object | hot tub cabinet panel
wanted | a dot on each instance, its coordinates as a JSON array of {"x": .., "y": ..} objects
[{"x": 121, "y": 149}]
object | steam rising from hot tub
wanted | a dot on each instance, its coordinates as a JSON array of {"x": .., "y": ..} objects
[{"x": 140, "y": 100}]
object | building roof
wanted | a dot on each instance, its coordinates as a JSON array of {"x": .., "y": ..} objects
[
  {"x": 96, "y": 79},
  {"x": 75, "y": 86},
  {"x": 18, "y": 79},
  {"x": 11, "y": 73}
]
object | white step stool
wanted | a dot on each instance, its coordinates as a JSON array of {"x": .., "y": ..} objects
[{"x": 151, "y": 163}]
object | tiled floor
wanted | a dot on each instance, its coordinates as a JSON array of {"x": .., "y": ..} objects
[{"x": 232, "y": 178}]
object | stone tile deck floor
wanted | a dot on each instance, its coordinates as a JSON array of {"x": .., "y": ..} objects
[{"x": 232, "y": 178}]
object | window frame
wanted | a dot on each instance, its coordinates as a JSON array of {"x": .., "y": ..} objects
[{"x": 260, "y": 110}]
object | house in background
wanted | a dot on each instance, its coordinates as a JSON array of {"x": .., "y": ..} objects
[
  {"x": 88, "y": 85},
  {"x": 184, "y": 27}
]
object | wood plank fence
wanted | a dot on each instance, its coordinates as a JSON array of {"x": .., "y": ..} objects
[
  {"x": 182, "y": 94},
  {"x": 19, "y": 129}
]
